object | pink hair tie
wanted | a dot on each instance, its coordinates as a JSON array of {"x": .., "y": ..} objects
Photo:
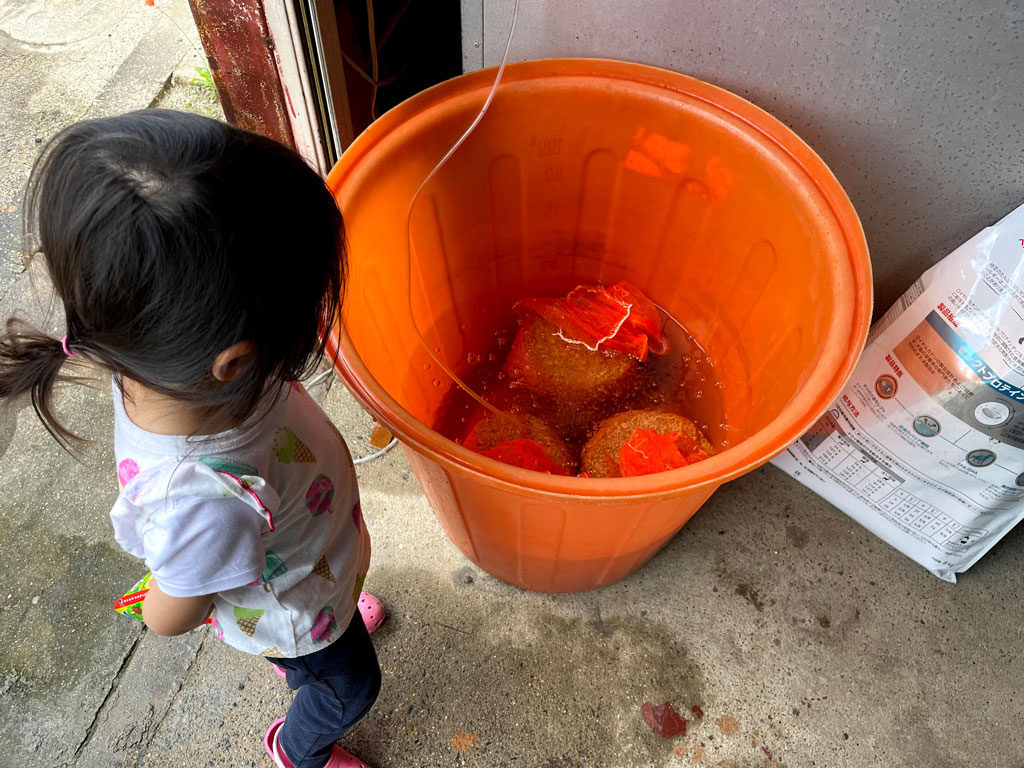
[{"x": 64, "y": 346}]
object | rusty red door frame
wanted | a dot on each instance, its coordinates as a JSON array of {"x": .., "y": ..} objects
[{"x": 240, "y": 49}]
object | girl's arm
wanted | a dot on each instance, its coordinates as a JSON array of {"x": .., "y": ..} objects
[{"x": 170, "y": 616}]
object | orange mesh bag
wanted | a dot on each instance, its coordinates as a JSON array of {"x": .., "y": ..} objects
[
  {"x": 641, "y": 442},
  {"x": 584, "y": 353},
  {"x": 619, "y": 318},
  {"x": 647, "y": 452},
  {"x": 522, "y": 441}
]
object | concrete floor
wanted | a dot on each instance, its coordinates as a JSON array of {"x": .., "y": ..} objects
[{"x": 803, "y": 640}]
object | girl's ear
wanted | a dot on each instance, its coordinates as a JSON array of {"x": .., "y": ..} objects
[{"x": 231, "y": 360}]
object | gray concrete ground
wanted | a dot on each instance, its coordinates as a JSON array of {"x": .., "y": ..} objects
[{"x": 803, "y": 639}]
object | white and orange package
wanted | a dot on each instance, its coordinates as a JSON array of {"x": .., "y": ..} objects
[{"x": 925, "y": 445}]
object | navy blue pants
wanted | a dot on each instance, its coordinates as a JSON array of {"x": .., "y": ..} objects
[{"x": 336, "y": 687}]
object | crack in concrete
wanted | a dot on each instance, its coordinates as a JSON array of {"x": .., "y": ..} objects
[
  {"x": 163, "y": 88},
  {"x": 152, "y": 723},
  {"x": 153, "y": 727},
  {"x": 115, "y": 683}
]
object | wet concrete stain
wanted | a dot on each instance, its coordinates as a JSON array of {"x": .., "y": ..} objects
[
  {"x": 824, "y": 620},
  {"x": 8, "y": 425},
  {"x": 797, "y": 536},
  {"x": 52, "y": 633},
  {"x": 750, "y": 594},
  {"x": 58, "y": 639},
  {"x": 485, "y": 663}
]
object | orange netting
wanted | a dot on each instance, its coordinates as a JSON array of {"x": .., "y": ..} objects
[
  {"x": 526, "y": 453},
  {"x": 647, "y": 452},
  {"x": 522, "y": 452},
  {"x": 616, "y": 318}
]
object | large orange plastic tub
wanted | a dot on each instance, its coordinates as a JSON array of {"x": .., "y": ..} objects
[{"x": 592, "y": 170}]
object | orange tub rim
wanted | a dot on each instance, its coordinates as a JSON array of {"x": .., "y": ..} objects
[{"x": 814, "y": 397}]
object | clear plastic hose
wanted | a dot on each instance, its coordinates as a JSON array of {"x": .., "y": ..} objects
[{"x": 408, "y": 217}]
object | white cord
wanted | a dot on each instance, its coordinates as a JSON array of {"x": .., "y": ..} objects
[
  {"x": 319, "y": 379},
  {"x": 378, "y": 454},
  {"x": 408, "y": 214}
]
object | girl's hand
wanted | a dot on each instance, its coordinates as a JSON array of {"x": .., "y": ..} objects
[{"x": 170, "y": 616}]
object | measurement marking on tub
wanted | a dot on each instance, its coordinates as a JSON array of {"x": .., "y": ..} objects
[{"x": 546, "y": 147}]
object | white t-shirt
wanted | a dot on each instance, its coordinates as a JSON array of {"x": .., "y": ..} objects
[{"x": 267, "y": 518}]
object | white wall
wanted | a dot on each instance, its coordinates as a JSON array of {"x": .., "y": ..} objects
[{"x": 918, "y": 107}]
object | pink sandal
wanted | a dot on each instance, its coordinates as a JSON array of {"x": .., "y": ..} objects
[
  {"x": 373, "y": 613},
  {"x": 272, "y": 743}
]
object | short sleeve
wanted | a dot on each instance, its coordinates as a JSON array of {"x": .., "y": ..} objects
[
  {"x": 199, "y": 529},
  {"x": 203, "y": 547}
]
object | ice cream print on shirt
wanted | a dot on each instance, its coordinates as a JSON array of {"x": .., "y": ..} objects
[
  {"x": 324, "y": 626},
  {"x": 248, "y": 619},
  {"x": 358, "y": 588},
  {"x": 275, "y": 567},
  {"x": 289, "y": 448},
  {"x": 228, "y": 466},
  {"x": 323, "y": 568},
  {"x": 320, "y": 495},
  {"x": 126, "y": 471},
  {"x": 208, "y": 517}
]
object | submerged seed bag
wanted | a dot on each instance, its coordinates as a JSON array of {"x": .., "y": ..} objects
[
  {"x": 647, "y": 452},
  {"x": 522, "y": 441},
  {"x": 925, "y": 446},
  {"x": 643, "y": 442},
  {"x": 618, "y": 318}
]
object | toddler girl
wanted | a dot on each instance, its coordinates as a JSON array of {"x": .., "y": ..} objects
[{"x": 199, "y": 264}]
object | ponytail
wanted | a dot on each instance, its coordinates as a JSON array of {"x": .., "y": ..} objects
[{"x": 30, "y": 363}]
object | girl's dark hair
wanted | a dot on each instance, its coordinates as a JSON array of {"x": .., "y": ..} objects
[{"x": 168, "y": 238}]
